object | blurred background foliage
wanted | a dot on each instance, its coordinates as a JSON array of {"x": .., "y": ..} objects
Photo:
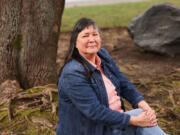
[{"x": 108, "y": 15}]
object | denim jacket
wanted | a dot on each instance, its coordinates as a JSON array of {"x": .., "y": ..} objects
[{"x": 83, "y": 103}]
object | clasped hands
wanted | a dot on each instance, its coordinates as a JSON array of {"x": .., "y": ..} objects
[{"x": 146, "y": 118}]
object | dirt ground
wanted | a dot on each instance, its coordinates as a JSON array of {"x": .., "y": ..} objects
[{"x": 156, "y": 76}]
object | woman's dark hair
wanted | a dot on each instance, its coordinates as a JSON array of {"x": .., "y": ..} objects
[{"x": 73, "y": 52}]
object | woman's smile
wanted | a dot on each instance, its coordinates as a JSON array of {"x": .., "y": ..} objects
[{"x": 91, "y": 46}]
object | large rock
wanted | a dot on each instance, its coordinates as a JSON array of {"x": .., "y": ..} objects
[{"x": 157, "y": 29}]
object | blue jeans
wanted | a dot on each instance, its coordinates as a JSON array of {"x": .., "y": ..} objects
[{"x": 133, "y": 130}]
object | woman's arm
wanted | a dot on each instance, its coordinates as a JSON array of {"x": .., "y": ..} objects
[{"x": 129, "y": 91}]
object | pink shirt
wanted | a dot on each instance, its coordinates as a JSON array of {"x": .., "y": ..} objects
[{"x": 113, "y": 98}]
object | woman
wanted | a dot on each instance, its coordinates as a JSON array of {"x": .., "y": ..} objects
[{"x": 90, "y": 88}]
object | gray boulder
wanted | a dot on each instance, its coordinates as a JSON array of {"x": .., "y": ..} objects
[{"x": 157, "y": 29}]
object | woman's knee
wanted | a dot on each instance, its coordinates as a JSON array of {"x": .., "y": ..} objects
[{"x": 135, "y": 112}]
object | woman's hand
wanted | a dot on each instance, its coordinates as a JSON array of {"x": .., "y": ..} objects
[
  {"x": 144, "y": 105},
  {"x": 144, "y": 119}
]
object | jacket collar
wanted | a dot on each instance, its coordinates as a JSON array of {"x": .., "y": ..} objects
[{"x": 90, "y": 66}]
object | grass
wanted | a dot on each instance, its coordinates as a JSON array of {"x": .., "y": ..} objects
[{"x": 108, "y": 15}]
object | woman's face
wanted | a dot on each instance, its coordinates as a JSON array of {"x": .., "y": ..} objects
[{"x": 88, "y": 41}]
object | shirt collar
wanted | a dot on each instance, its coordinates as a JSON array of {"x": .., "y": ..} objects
[
  {"x": 91, "y": 65},
  {"x": 97, "y": 62}
]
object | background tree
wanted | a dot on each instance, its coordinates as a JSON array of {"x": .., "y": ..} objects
[{"x": 29, "y": 31}]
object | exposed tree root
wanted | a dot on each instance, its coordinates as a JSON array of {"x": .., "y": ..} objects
[
  {"x": 42, "y": 121},
  {"x": 24, "y": 100},
  {"x": 31, "y": 104},
  {"x": 29, "y": 96},
  {"x": 54, "y": 108},
  {"x": 10, "y": 114},
  {"x": 45, "y": 123},
  {"x": 2, "y": 117}
]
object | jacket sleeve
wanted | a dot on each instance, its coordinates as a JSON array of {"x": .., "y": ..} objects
[
  {"x": 82, "y": 95},
  {"x": 127, "y": 89}
]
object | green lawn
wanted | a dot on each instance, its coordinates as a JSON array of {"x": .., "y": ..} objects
[{"x": 108, "y": 15}]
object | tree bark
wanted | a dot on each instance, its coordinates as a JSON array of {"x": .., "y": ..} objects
[{"x": 29, "y": 31}]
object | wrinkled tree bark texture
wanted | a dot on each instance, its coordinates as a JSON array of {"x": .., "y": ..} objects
[{"x": 29, "y": 31}]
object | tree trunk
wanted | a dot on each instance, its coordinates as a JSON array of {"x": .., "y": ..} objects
[{"x": 29, "y": 31}]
